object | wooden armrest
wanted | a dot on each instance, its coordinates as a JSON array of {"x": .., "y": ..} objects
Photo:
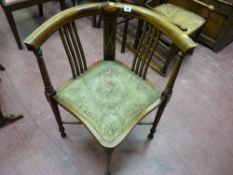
[
  {"x": 208, "y": 6},
  {"x": 41, "y": 34}
]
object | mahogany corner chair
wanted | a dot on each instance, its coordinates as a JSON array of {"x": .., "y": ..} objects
[
  {"x": 109, "y": 98},
  {"x": 9, "y": 6}
]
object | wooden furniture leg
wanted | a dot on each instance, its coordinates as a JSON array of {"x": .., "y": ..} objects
[
  {"x": 41, "y": 13},
  {"x": 94, "y": 21},
  {"x": 157, "y": 119},
  {"x": 108, "y": 161},
  {"x": 5, "y": 120},
  {"x": 57, "y": 115},
  {"x": 13, "y": 27}
]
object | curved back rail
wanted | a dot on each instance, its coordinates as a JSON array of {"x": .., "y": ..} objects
[
  {"x": 64, "y": 23},
  {"x": 39, "y": 36}
]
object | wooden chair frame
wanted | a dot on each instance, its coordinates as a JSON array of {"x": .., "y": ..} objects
[{"x": 64, "y": 24}]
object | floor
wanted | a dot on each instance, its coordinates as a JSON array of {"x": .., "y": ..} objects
[{"x": 195, "y": 135}]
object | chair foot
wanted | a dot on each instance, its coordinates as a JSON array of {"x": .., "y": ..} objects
[
  {"x": 62, "y": 131},
  {"x": 151, "y": 135},
  {"x": 63, "y": 134}
]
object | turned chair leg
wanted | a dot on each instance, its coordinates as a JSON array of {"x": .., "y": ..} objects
[
  {"x": 13, "y": 27},
  {"x": 108, "y": 161},
  {"x": 41, "y": 12},
  {"x": 157, "y": 119},
  {"x": 57, "y": 115}
]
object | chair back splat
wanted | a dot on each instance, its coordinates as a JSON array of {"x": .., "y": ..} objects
[
  {"x": 73, "y": 48},
  {"x": 109, "y": 98},
  {"x": 110, "y": 34},
  {"x": 145, "y": 50}
]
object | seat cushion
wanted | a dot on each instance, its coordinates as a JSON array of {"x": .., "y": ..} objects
[
  {"x": 181, "y": 17},
  {"x": 109, "y": 99}
]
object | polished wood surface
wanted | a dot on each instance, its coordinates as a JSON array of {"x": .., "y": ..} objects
[
  {"x": 35, "y": 40},
  {"x": 218, "y": 32}
]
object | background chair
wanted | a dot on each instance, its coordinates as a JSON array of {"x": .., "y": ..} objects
[
  {"x": 126, "y": 23},
  {"x": 109, "y": 98},
  {"x": 93, "y": 17},
  {"x": 9, "y": 6},
  {"x": 189, "y": 18}
]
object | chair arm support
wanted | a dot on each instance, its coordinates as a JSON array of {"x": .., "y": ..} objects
[
  {"x": 176, "y": 68},
  {"x": 49, "y": 90}
]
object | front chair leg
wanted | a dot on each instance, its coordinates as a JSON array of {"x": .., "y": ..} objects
[
  {"x": 57, "y": 115},
  {"x": 108, "y": 161},
  {"x": 157, "y": 119}
]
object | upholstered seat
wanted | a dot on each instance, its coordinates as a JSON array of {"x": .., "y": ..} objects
[
  {"x": 188, "y": 21},
  {"x": 106, "y": 103}
]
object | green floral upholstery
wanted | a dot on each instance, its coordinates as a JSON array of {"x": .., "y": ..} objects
[
  {"x": 181, "y": 17},
  {"x": 109, "y": 99}
]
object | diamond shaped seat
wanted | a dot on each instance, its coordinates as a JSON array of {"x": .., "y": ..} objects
[{"x": 109, "y": 99}]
